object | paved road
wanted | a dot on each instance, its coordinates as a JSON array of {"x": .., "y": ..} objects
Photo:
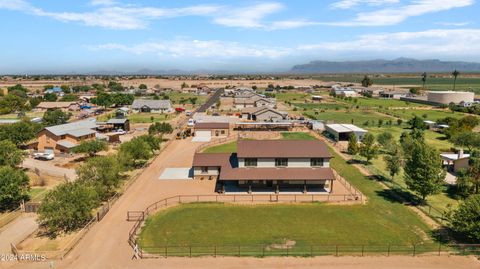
[
  {"x": 211, "y": 101},
  {"x": 17, "y": 230},
  {"x": 49, "y": 168}
]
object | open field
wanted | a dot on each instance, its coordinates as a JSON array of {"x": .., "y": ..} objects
[
  {"x": 430, "y": 114},
  {"x": 433, "y": 83},
  {"x": 297, "y": 136},
  {"x": 380, "y": 103},
  {"x": 382, "y": 220},
  {"x": 357, "y": 117}
]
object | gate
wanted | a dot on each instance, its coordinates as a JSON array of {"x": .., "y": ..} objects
[{"x": 135, "y": 215}]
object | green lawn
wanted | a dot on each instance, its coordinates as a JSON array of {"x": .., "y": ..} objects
[
  {"x": 297, "y": 136},
  {"x": 379, "y": 102},
  {"x": 322, "y": 106},
  {"x": 432, "y": 115},
  {"x": 381, "y": 221},
  {"x": 147, "y": 117},
  {"x": 223, "y": 148},
  {"x": 292, "y": 97},
  {"x": 358, "y": 117},
  {"x": 37, "y": 193}
]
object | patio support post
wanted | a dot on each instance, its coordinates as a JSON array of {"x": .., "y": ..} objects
[
  {"x": 223, "y": 186},
  {"x": 331, "y": 185},
  {"x": 278, "y": 189},
  {"x": 305, "y": 186},
  {"x": 249, "y": 186}
]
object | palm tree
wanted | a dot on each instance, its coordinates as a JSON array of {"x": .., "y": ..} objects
[
  {"x": 455, "y": 75},
  {"x": 424, "y": 79}
]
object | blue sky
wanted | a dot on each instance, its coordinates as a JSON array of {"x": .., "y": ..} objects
[{"x": 238, "y": 36}]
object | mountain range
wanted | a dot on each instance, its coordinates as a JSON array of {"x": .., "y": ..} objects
[{"x": 400, "y": 65}]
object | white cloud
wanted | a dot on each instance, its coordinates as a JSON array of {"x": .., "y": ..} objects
[
  {"x": 397, "y": 14},
  {"x": 435, "y": 42},
  {"x": 198, "y": 49},
  {"x": 464, "y": 23},
  {"x": 111, "y": 14},
  {"x": 346, "y": 4},
  {"x": 248, "y": 17}
]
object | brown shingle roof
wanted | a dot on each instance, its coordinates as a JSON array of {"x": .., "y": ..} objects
[
  {"x": 282, "y": 148},
  {"x": 212, "y": 125},
  {"x": 211, "y": 159}
]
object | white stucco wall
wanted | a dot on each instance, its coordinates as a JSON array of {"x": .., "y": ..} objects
[{"x": 292, "y": 162}]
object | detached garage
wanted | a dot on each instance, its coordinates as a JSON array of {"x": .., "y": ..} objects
[
  {"x": 342, "y": 132},
  {"x": 212, "y": 129}
]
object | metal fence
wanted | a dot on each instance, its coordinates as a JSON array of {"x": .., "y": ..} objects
[
  {"x": 139, "y": 216},
  {"x": 306, "y": 250}
]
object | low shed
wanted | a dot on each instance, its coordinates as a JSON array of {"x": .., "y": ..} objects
[{"x": 342, "y": 132}]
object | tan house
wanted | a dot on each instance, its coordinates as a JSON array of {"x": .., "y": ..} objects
[
  {"x": 64, "y": 137},
  {"x": 64, "y": 106},
  {"x": 269, "y": 166},
  {"x": 212, "y": 129},
  {"x": 254, "y": 101}
]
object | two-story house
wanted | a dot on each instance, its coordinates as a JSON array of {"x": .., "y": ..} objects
[{"x": 269, "y": 165}]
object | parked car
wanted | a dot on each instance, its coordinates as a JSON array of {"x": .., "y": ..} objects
[
  {"x": 179, "y": 109},
  {"x": 188, "y": 113},
  {"x": 121, "y": 132},
  {"x": 191, "y": 123},
  {"x": 44, "y": 156},
  {"x": 215, "y": 114}
]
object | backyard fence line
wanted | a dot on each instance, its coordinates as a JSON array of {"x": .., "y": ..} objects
[
  {"x": 308, "y": 250},
  {"x": 6, "y": 218},
  {"x": 139, "y": 216}
]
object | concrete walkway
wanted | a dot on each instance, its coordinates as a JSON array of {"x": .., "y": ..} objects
[{"x": 17, "y": 230}]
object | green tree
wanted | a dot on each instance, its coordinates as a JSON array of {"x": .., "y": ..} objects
[
  {"x": 103, "y": 173},
  {"x": 18, "y": 87},
  {"x": 465, "y": 185},
  {"x": 366, "y": 81},
  {"x": 10, "y": 155},
  {"x": 455, "y": 75},
  {"x": 466, "y": 219},
  {"x": 385, "y": 139},
  {"x": 424, "y": 79},
  {"x": 11, "y": 103},
  {"x": 13, "y": 187},
  {"x": 50, "y": 97},
  {"x": 152, "y": 141},
  {"x": 353, "y": 147},
  {"x": 424, "y": 174},
  {"x": 55, "y": 117},
  {"x": 67, "y": 208},
  {"x": 103, "y": 99},
  {"x": 394, "y": 159},
  {"x": 184, "y": 85},
  {"x": 69, "y": 98},
  {"x": 91, "y": 147},
  {"x": 417, "y": 123},
  {"x": 369, "y": 149},
  {"x": 468, "y": 140},
  {"x": 193, "y": 100},
  {"x": 136, "y": 150},
  {"x": 142, "y": 87},
  {"x": 19, "y": 132},
  {"x": 160, "y": 128},
  {"x": 34, "y": 101}
]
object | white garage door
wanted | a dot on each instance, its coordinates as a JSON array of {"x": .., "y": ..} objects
[{"x": 202, "y": 136}]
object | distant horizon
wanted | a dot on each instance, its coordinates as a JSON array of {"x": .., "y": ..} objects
[{"x": 253, "y": 36}]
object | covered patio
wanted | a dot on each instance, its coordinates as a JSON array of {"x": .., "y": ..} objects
[{"x": 275, "y": 186}]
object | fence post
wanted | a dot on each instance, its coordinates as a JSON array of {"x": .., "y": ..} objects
[
  {"x": 287, "y": 250},
  {"x": 215, "y": 251},
  {"x": 388, "y": 252},
  {"x": 166, "y": 252},
  {"x": 190, "y": 248},
  {"x": 336, "y": 250},
  {"x": 439, "y": 248},
  {"x": 311, "y": 251},
  {"x": 363, "y": 248},
  {"x": 263, "y": 250},
  {"x": 238, "y": 251},
  {"x": 414, "y": 249}
]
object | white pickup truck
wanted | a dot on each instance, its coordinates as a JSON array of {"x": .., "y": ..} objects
[{"x": 44, "y": 155}]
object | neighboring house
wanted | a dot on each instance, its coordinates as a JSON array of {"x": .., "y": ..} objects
[
  {"x": 263, "y": 114},
  {"x": 344, "y": 92},
  {"x": 269, "y": 166},
  {"x": 455, "y": 161},
  {"x": 254, "y": 101},
  {"x": 64, "y": 137},
  {"x": 212, "y": 129},
  {"x": 56, "y": 90},
  {"x": 152, "y": 106},
  {"x": 430, "y": 124},
  {"x": 342, "y": 132},
  {"x": 317, "y": 98},
  {"x": 245, "y": 93},
  {"x": 64, "y": 106},
  {"x": 122, "y": 112}
]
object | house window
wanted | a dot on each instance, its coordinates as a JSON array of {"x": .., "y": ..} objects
[
  {"x": 250, "y": 162},
  {"x": 222, "y": 132},
  {"x": 204, "y": 169},
  {"x": 281, "y": 162},
  {"x": 315, "y": 162}
]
